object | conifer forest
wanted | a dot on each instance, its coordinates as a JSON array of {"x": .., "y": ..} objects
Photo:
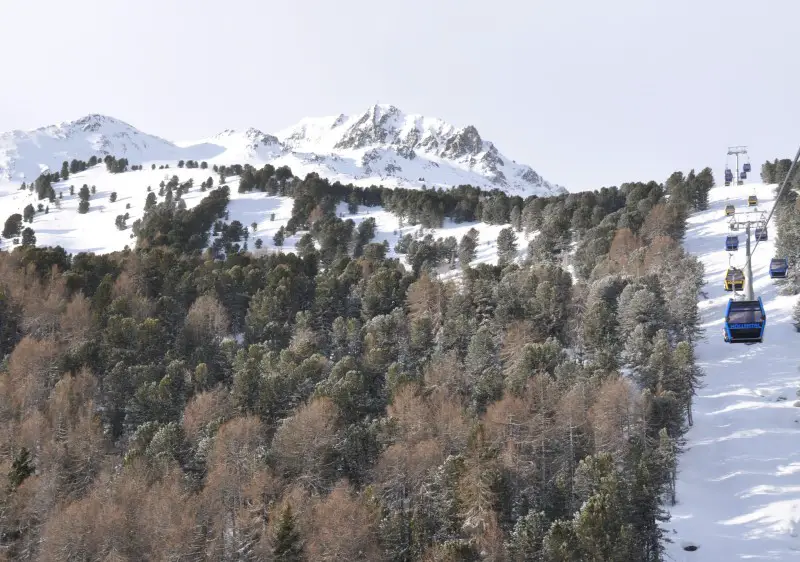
[{"x": 187, "y": 400}]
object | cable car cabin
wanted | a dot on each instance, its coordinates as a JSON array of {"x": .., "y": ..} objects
[
  {"x": 744, "y": 321},
  {"x": 732, "y": 243},
  {"x": 746, "y": 167},
  {"x": 778, "y": 268},
  {"x": 752, "y": 201},
  {"x": 734, "y": 279},
  {"x": 743, "y": 176},
  {"x": 728, "y": 175},
  {"x": 730, "y": 210},
  {"x": 761, "y": 234}
]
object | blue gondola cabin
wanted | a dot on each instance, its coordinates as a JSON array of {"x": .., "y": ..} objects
[
  {"x": 743, "y": 176},
  {"x": 778, "y": 268},
  {"x": 761, "y": 234},
  {"x": 728, "y": 176},
  {"x": 746, "y": 167},
  {"x": 745, "y": 321},
  {"x": 732, "y": 243}
]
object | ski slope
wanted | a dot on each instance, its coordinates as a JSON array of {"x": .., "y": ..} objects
[{"x": 738, "y": 487}]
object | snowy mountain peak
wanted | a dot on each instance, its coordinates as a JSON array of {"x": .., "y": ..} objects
[
  {"x": 95, "y": 121},
  {"x": 382, "y": 146},
  {"x": 251, "y": 136}
]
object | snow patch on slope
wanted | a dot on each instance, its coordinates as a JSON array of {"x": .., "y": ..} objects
[{"x": 96, "y": 232}]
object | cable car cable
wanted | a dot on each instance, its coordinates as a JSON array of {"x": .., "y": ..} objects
[{"x": 775, "y": 204}]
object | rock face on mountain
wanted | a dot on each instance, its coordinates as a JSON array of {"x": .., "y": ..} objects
[{"x": 381, "y": 146}]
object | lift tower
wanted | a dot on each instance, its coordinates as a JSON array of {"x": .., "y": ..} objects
[
  {"x": 746, "y": 221},
  {"x": 736, "y": 151}
]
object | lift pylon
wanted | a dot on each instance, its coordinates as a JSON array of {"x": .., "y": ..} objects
[{"x": 739, "y": 176}]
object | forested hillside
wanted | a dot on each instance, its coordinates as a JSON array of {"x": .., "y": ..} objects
[{"x": 189, "y": 400}]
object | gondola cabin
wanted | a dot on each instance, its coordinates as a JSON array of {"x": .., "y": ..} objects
[
  {"x": 743, "y": 176},
  {"x": 746, "y": 167},
  {"x": 778, "y": 268},
  {"x": 734, "y": 279},
  {"x": 728, "y": 176},
  {"x": 752, "y": 201},
  {"x": 745, "y": 321},
  {"x": 761, "y": 234},
  {"x": 730, "y": 210},
  {"x": 732, "y": 243}
]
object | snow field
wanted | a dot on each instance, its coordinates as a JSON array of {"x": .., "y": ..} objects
[
  {"x": 738, "y": 486},
  {"x": 96, "y": 232}
]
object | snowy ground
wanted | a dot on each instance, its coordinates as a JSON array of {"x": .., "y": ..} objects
[
  {"x": 739, "y": 481},
  {"x": 96, "y": 232}
]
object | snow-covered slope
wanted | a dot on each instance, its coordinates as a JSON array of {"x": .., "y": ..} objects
[
  {"x": 739, "y": 482},
  {"x": 25, "y": 154},
  {"x": 385, "y": 145},
  {"x": 96, "y": 231},
  {"x": 381, "y": 146}
]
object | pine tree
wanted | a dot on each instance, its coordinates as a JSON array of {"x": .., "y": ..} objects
[
  {"x": 352, "y": 203},
  {"x": 21, "y": 468},
  {"x": 516, "y": 218},
  {"x": 483, "y": 370},
  {"x": 659, "y": 367},
  {"x": 13, "y": 226},
  {"x": 527, "y": 538},
  {"x": 637, "y": 351},
  {"x": 150, "y": 201},
  {"x": 28, "y": 237},
  {"x": 280, "y": 236},
  {"x": 467, "y": 248},
  {"x": 28, "y": 212},
  {"x": 506, "y": 246}
]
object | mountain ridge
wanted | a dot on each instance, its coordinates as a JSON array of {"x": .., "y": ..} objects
[{"x": 382, "y": 145}]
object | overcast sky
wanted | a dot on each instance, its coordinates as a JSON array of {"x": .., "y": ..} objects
[{"x": 588, "y": 93}]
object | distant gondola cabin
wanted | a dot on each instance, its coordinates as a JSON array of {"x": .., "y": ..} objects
[{"x": 734, "y": 279}]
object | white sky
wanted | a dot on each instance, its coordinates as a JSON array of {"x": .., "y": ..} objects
[{"x": 588, "y": 93}]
